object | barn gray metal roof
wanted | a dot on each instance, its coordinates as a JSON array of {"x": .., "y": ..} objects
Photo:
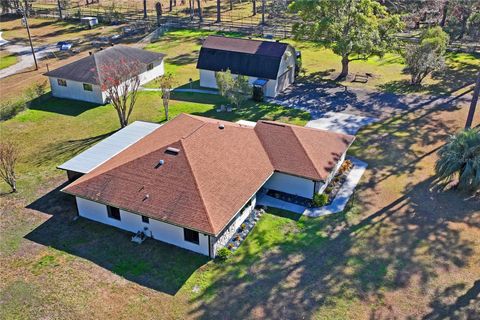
[
  {"x": 253, "y": 58},
  {"x": 86, "y": 69},
  {"x": 107, "y": 148}
]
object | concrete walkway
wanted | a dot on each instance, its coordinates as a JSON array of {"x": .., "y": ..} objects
[
  {"x": 338, "y": 204},
  {"x": 341, "y": 122},
  {"x": 268, "y": 201}
]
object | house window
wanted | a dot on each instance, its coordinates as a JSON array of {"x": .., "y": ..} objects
[
  {"x": 191, "y": 236},
  {"x": 62, "y": 82},
  {"x": 87, "y": 87},
  {"x": 149, "y": 66},
  {"x": 113, "y": 213},
  {"x": 145, "y": 219}
]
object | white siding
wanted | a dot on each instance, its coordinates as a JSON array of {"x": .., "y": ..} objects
[
  {"x": 74, "y": 90},
  {"x": 208, "y": 80},
  {"x": 133, "y": 222},
  {"x": 288, "y": 61},
  {"x": 291, "y": 184},
  {"x": 158, "y": 70},
  {"x": 231, "y": 229}
]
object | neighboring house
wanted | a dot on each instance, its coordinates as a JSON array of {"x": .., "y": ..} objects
[
  {"x": 194, "y": 180},
  {"x": 267, "y": 63},
  {"x": 80, "y": 80}
]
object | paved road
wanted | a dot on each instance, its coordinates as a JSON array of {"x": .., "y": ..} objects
[{"x": 25, "y": 55}]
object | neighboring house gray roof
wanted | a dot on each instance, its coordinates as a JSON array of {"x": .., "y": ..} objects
[
  {"x": 109, "y": 147},
  {"x": 247, "y": 57},
  {"x": 86, "y": 69}
]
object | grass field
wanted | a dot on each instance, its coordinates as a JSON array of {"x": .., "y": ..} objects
[
  {"x": 403, "y": 249},
  {"x": 7, "y": 59},
  {"x": 182, "y": 48}
]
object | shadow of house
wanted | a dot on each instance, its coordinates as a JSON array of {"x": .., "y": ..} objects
[
  {"x": 153, "y": 264},
  {"x": 66, "y": 107}
]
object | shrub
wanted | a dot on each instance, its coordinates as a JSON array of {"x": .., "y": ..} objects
[
  {"x": 319, "y": 200},
  {"x": 10, "y": 109},
  {"x": 243, "y": 226},
  {"x": 223, "y": 254}
]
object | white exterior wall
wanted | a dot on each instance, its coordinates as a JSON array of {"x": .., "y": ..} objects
[
  {"x": 291, "y": 184},
  {"x": 322, "y": 186},
  {"x": 208, "y": 80},
  {"x": 133, "y": 222},
  {"x": 288, "y": 60},
  {"x": 229, "y": 232},
  {"x": 74, "y": 90},
  {"x": 157, "y": 71}
]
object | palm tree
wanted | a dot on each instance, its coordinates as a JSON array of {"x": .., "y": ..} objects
[{"x": 461, "y": 156}]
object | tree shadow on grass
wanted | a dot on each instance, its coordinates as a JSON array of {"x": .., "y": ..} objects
[
  {"x": 66, "y": 107},
  {"x": 152, "y": 264},
  {"x": 458, "y": 74},
  {"x": 251, "y": 110},
  {"x": 466, "y": 305},
  {"x": 319, "y": 263}
]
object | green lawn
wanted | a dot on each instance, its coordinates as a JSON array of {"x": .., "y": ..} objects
[
  {"x": 54, "y": 130},
  {"x": 7, "y": 60},
  {"x": 182, "y": 48}
]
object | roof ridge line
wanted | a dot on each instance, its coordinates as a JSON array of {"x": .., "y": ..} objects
[
  {"x": 305, "y": 150},
  {"x": 196, "y": 185}
]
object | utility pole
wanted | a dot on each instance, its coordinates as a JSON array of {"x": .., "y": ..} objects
[
  {"x": 263, "y": 12},
  {"x": 29, "y": 37},
  {"x": 473, "y": 104}
]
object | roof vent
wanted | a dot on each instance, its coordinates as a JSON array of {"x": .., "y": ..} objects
[
  {"x": 146, "y": 197},
  {"x": 221, "y": 126},
  {"x": 159, "y": 164},
  {"x": 172, "y": 151}
]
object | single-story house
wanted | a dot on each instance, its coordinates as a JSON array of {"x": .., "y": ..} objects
[
  {"x": 80, "y": 80},
  {"x": 268, "y": 64},
  {"x": 193, "y": 181}
]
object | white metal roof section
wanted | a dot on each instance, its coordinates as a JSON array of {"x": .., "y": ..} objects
[
  {"x": 107, "y": 148},
  {"x": 247, "y": 123}
]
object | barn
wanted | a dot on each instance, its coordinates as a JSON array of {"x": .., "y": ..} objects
[{"x": 268, "y": 64}]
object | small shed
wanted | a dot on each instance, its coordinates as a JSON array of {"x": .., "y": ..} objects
[{"x": 89, "y": 21}]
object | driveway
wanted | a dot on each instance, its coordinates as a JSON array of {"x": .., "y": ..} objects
[
  {"x": 25, "y": 57},
  {"x": 324, "y": 98}
]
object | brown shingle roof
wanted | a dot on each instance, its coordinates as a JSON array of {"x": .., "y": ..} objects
[
  {"x": 214, "y": 173},
  {"x": 300, "y": 151},
  {"x": 86, "y": 69}
]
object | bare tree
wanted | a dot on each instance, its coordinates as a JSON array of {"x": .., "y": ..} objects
[
  {"x": 199, "y": 11},
  {"x": 166, "y": 84},
  {"x": 120, "y": 81},
  {"x": 8, "y": 160},
  {"x": 219, "y": 16},
  {"x": 473, "y": 104}
]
